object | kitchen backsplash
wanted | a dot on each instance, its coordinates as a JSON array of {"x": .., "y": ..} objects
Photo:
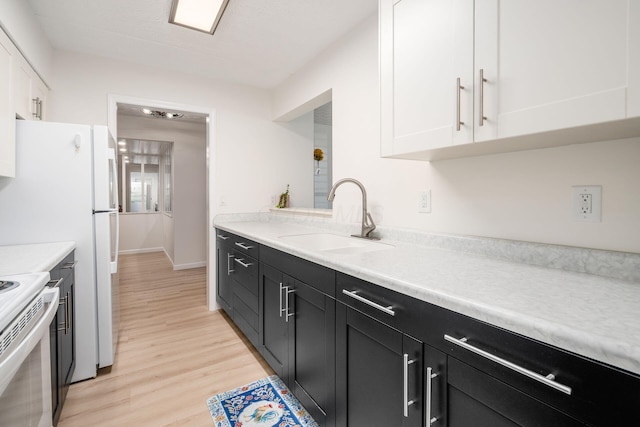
[{"x": 617, "y": 265}]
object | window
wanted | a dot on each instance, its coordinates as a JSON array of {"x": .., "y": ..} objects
[{"x": 145, "y": 175}]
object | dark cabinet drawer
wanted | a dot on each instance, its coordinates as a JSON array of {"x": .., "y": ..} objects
[
  {"x": 246, "y": 246},
  {"x": 246, "y": 272},
  {"x": 245, "y": 295},
  {"x": 397, "y": 310},
  {"x": 314, "y": 275}
]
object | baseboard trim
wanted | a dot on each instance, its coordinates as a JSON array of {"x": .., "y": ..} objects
[
  {"x": 190, "y": 265},
  {"x": 139, "y": 251}
]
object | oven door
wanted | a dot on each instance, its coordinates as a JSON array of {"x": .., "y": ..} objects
[{"x": 25, "y": 368}]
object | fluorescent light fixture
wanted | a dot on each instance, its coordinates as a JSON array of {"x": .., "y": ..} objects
[{"x": 200, "y": 15}]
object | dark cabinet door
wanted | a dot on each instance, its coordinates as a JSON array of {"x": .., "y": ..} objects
[
  {"x": 379, "y": 373},
  {"x": 475, "y": 398},
  {"x": 62, "y": 336},
  {"x": 272, "y": 319},
  {"x": 311, "y": 334},
  {"x": 224, "y": 269},
  {"x": 66, "y": 327}
]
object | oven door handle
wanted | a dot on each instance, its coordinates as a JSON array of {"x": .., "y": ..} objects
[{"x": 12, "y": 361}]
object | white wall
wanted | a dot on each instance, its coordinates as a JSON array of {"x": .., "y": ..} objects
[
  {"x": 521, "y": 196},
  {"x": 253, "y": 157},
  {"x": 18, "y": 20},
  {"x": 189, "y": 182},
  {"x": 140, "y": 232}
]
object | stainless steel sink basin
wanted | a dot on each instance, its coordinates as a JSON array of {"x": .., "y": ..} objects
[{"x": 334, "y": 243}]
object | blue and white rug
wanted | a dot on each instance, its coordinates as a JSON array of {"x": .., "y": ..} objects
[{"x": 263, "y": 403}]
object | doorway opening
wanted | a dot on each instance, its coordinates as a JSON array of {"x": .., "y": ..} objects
[{"x": 164, "y": 153}]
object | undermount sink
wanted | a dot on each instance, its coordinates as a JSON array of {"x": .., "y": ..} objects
[{"x": 334, "y": 243}]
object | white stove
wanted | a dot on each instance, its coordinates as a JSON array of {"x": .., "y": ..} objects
[
  {"x": 16, "y": 292},
  {"x": 27, "y": 308}
]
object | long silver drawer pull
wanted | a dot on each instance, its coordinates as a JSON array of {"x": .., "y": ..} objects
[
  {"x": 222, "y": 236},
  {"x": 243, "y": 246},
  {"x": 244, "y": 264},
  {"x": 229, "y": 269},
  {"x": 547, "y": 380},
  {"x": 405, "y": 368},
  {"x": 427, "y": 410},
  {"x": 286, "y": 304},
  {"x": 459, "y": 88},
  {"x": 482, "y": 82},
  {"x": 69, "y": 265},
  {"x": 55, "y": 283},
  {"x": 354, "y": 295},
  {"x": 281, "y": 309}
]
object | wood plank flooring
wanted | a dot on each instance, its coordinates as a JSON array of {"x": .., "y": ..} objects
[{"x": 172, "y": 356}]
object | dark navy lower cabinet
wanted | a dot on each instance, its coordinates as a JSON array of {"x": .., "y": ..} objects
[
  {"x": 297, "y": 329},
  {"x": 360, "y": 355},
  {"x": 379, "y": 373}
]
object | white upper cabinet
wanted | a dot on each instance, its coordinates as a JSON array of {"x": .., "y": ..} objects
[
  {"x": 22, "y": 88},
  {"x": 30, "y": 92},
  {"x": 22, "y": 95},
  {"x": 426, "y": 46},
  {"x": 550, "y": 64},
  {"x": 7, "y": 116},
  {"x": 532, "y": 74}
]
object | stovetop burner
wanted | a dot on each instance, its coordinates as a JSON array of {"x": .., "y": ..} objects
[{"x": 6, "y": 285}]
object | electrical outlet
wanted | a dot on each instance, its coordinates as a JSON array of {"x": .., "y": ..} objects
[
  {"x": 587, "y": 203},
  {"x": 424, "y": 201},
  {"x": 223, "y": 200}
]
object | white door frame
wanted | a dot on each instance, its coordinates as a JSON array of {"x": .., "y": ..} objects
[{"x": 210, "y": 188}]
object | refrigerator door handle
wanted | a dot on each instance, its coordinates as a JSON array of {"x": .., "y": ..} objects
[{"x": 114, "y": 167}]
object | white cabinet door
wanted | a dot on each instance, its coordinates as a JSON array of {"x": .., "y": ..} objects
[
  {"x": 7, "y": 116},
  {"x": 550, "y": 64},
  {"x": 22, "y": 87},
  {"x": 425, "y": 46},
  {"x": 39, "y": 92},
  {"x": 633, "y": 100}
]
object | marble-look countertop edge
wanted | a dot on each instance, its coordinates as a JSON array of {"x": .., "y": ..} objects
[
  {"x": 34, "y": 257},
  {"x": 580, "y": 340}
]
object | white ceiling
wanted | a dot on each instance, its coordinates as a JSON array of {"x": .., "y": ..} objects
[{"x": 258, "y": 42}]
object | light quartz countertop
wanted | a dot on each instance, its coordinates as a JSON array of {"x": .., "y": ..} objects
[
  {"x": 594, "y": 316},
  {"x": 32, "y": 258}
]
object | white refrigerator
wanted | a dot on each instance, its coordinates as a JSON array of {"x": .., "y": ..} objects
[{"x": 66, "y": 189}]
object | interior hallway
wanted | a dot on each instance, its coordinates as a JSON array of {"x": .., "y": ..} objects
[{"x": 172, "y": 356}]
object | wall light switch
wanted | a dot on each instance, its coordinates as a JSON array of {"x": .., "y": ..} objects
[
  {"x": 587, "y": 203},
  {"x": 424, "y": 201}
]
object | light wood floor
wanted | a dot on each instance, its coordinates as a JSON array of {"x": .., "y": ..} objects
[{"x": 173, "y": 353}]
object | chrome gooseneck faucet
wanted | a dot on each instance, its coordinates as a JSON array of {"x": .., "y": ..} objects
[{"x": 367, "y": 222}]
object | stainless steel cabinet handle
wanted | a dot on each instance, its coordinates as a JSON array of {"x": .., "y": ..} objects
[
  {"x": 547, "y": 380},
  {"x": 243, "y": 246},
  {"x": 459, "y": 89},
  {"x": 286, "y": 304},
  {"x": 353, "y": 294},
  {"x": 427, "y": 409},
  {"x": 65, "y": 302},
  {"x": 280, "y": 296},
  {"x": 405, "y": 368},
  {"x": 69, "y": 313},
  {"x": 229, "y": 269},
  {"x": 55, "y": 283},
  {"x": 223, "y": 237},
  {"x": 36, "y": 108},
  {"x": 69, "y": 265},
  {"x": 482, "y": 82},
  {"x": 242, "y": 263}
]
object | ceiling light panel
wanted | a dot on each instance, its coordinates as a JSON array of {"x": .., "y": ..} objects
[{"x": 201, "y": 15}]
